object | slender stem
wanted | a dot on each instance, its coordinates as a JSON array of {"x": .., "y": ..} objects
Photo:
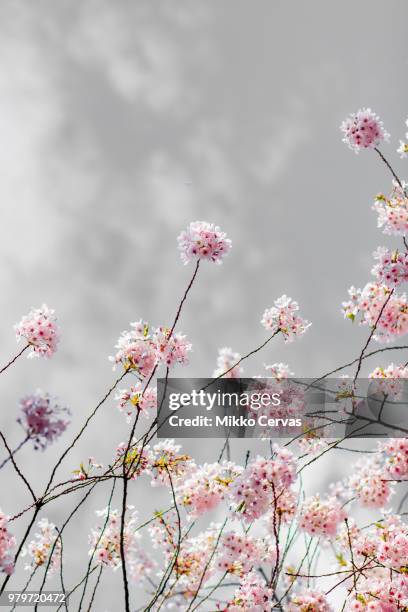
[
  {"x": 12, "y": 453},
  {"x": 391, "y": 169},
  {"x": 127, "y": 472},
  {"x": 4, "y": 368},
  {"x": 17, "y": 469},
  {"x": 98, "y": 579},
  {"x": 88, "y": 571},
  {"x": 85, "y": 425}
]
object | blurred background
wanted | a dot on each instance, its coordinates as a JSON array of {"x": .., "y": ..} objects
[{"x": 122, "y": 122}]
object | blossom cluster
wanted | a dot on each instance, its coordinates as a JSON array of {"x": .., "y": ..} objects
[
  {"x": 239, "y": 554},
  {"x": 321, "y": 517},
  {"x": 42, "y": 418},
  {"x": 253, "y": 594},
  {"x": 283, "y": 317},
  {"x": 40, "y": 330},
  {"x": 363, "y": 130},
  {"x": 391, "y": 268},
  {"x": 105, "y": 542},
  {"x": 137, "y": 399},
  {"x": 226, "y": 364},
  {"x": 309, "y": 600},
  {"x": 141, "y": 349},
  {"x": 392, "y": 211},
  {"x": 375, "y": 305},
  {"x": 45, "y": 545},
  {"x": 261, "y": 485},
  {"x": 202, "y": 240}
]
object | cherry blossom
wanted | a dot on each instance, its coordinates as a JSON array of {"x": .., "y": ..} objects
[
  {"x": 387, "y": 381},
  {"x": 167, "y": 462},
  {"x": 366, "y": 305},
  {"x": 227, "y": 358},
  {"x": 202, "y": 240},
  {"x": 105, "y": 542},
  {"x": 206, "y": 486},
  {"x": 137, "y": 458},
  {"x": 195, "y": 559},
  {"x": 7, "y": 546},
  {"x": 260, "y": 485},
  {"x": 320, "y": 517},
  {"x": 46, "y": 542},
  {"x": 85, "y": 471},
  {"x": 368, "y": 484},
  {"x": 391, "y": 268},
  {"x": 136, "y": 350},
  {"x": 137, "y": 399},
  {"x": 42, "y": 418},
  {"x": 282, "y": 318},
  {"x": 170, "y": 349},
  {"x": 40, "y": 330},
  {"x": 393, "y": 211},
  {"x": 310, "y": 600},
  {"x": 379, "y": 595},
  {"x": 396, "y": 454},
  {"x": 279, "y": 371},
  {"x": 253, "y": 595},
  {"x": 363, "y": 130},
  {"x": 238, "y": 554}
]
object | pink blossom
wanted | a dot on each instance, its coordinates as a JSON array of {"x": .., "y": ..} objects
[
  {"x": 253, "y": 595},
  {"x": 366, "y": 304},
  {"x": 142, "y": 348},
  {"x": 379, "y": 594},
  {"x": 282, "y": 318},
  {"x": 368, "y": 485},
  {"x": 238, "y": 554},
  {"x": 202, "y": 240},
  {"x": 85, "y": 471},
  {"x": 310, "y": 600},
  {"x": 43, "y": 420},
  {"x": 40, "y": 330},
  {"x": 291, "y": 400},
  {"x": 136, "y": 350},
  {"x": 166, "y": 461},
  {"x": 279, "y": 371},
  {"x": 195, "y": 561},
  {"x": 225, "y": 361},
  {"x": 45, "y": 543},
  {"x": 363, "y": 130},
  {"x": 321, "y": 518},
  {"x": 7, "y": 545},
  {"x": 137, "y": 459},
  {"x": 137, "y": 399},
  {"x": 286, "y": 507},
  {"x": 170, "y": 350},
  {"x": 392, "y": 543},
  {"x": 388, "y": 380},
  {"x": 396, "y": 453},
  {"x": 105, "y": 543},
  {"x": 260, "y": 485},
  {"x": 393, "y": 211},
  {"x": 391, "y": 268},
  {"x": 206, "y": 487}
]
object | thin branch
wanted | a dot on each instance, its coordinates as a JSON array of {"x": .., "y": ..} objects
[{"x": 10, "y": 363}]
